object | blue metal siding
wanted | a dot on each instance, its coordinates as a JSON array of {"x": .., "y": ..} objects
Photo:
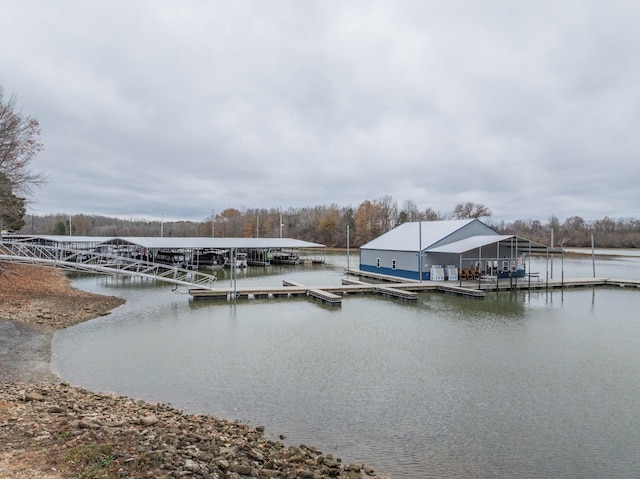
[
  {"x": 400, "y": 273},
  {"x": 406, "y": 263}
]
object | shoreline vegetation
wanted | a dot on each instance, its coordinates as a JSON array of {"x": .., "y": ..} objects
[
  {"x": 51, "y": 430},
  {"x": 327, "y": 224}
]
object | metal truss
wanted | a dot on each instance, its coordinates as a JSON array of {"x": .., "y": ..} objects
[{"x": 105, "y": 263}]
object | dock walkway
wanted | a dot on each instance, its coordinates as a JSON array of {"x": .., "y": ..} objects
[
  {"x": 317, "y": 293},
  {"x": 490, "y": 284},
  {"x": 405, "y": 289},
  {"x": 391, "y": 291}
]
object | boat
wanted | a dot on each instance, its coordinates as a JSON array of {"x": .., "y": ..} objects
[
  {"x": 240, "y": 261},
  {"x": 172, "y": 258},
  {"x": 213, "y": 259},
  {"x": 284, "y": 257}
]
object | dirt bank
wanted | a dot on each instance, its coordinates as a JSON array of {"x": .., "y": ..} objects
[
  {"x": 52, "y": 430},
  {"x": 44, "y": 296}
]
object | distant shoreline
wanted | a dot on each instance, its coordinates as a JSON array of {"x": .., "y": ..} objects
[{"x": 603, "y": 252}]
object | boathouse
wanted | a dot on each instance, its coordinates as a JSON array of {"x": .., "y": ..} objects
[{"x": 448, "y": 250}]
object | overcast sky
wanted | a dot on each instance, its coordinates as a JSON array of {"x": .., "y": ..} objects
[{"x": 175, "y": 109}]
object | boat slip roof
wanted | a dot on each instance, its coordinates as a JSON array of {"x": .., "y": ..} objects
[
  {"x": 172, "y": 242},
  {"x": 475, "y": 242}
]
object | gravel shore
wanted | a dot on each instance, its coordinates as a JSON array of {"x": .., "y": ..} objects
[{"x": 49, "y": 429}]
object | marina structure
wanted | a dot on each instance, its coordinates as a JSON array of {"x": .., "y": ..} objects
[
  {"x": 456, "y": 250},
  {"x": 185, "y": 261},
  {"x": 494, "y": 262},
  {"x": 407, "y": 290}
]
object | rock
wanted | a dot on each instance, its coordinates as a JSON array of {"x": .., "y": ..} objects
[
  {"x": 242, "y": 469},
  {"x": 191, "y": 465},
  {"x": 33, "y": 396},
  {"x": 148, "y": 420},
  {"x": 269, "y": 473},
  {"x": 150, "y": 440},
  {"x": 330, "y": 462},
  {"x": 256, "y": 455}
]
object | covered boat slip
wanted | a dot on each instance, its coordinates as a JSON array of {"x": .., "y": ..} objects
[
  {"x": 186, "y": 252},
  {"x": 485, "y": 257}
]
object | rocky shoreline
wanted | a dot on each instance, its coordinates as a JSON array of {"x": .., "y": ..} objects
[{"x": 52, "y": 430}]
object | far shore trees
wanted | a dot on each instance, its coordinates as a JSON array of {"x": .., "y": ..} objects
[{"x": 331, "y": 225}]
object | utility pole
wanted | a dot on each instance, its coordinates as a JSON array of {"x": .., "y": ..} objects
[
  {"x": 420, "y": 249},
  {"x": 348, "y": 268}
]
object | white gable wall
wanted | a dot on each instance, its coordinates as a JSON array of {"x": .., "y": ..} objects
[{"x": 474, "y": 228}]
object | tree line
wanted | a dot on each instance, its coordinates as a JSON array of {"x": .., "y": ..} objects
[{"x": 330, "y": 225}]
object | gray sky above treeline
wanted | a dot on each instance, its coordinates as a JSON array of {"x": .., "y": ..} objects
[{"x": 174, "y": 109}]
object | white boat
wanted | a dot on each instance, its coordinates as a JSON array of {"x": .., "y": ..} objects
[{"x": 241, "y": 261}]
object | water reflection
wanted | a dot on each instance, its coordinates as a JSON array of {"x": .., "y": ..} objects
[{"x": 539, "y": 384}]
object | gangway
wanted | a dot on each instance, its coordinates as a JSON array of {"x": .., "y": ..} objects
[{"x": 86, "y": 260}]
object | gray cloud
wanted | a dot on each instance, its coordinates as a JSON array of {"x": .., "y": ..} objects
[{"x": 162, "y": 108}]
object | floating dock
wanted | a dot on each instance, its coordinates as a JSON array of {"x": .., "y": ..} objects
[
  {"x": 534, "y": 281},
  {"x": 330, "y": 294},
  {"x": 399, "y": 288},
  {"x": 317, "y": 293}
]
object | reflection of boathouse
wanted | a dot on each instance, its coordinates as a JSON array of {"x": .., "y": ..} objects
[{"x": 448, "y": 250}]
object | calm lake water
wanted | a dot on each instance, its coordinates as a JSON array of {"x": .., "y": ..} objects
[{"x": 517, "y": 385}]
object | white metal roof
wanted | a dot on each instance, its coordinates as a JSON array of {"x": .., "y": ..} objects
[
  {"x": 156, "y": 242},
  {"x": 475, "y": 242},
  {"x": 468, "y": 244},
  {"x": 60, "y": 238},
  {"x": 172, "y": 242},
  {"x": 407, "y": 236}
]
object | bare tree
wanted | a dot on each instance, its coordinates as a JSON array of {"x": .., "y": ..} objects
[
  {"x": 470, "y": 210},
  {"x": 12, "y": 207},
  {"x": 432, "y": 215},
  {"x": 409, "y": 212},
  {"x": 18, "y": 147}
]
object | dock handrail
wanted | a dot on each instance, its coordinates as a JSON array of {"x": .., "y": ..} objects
[{"x": 106, "y": 263}]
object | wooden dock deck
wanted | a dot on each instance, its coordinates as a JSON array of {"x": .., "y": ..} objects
[
  {"x": 391, "y": 291},
  {"x": 400, "y": 288},
  {"x": 481, "y": 286},
  {"x": 318, "y": 293}
]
